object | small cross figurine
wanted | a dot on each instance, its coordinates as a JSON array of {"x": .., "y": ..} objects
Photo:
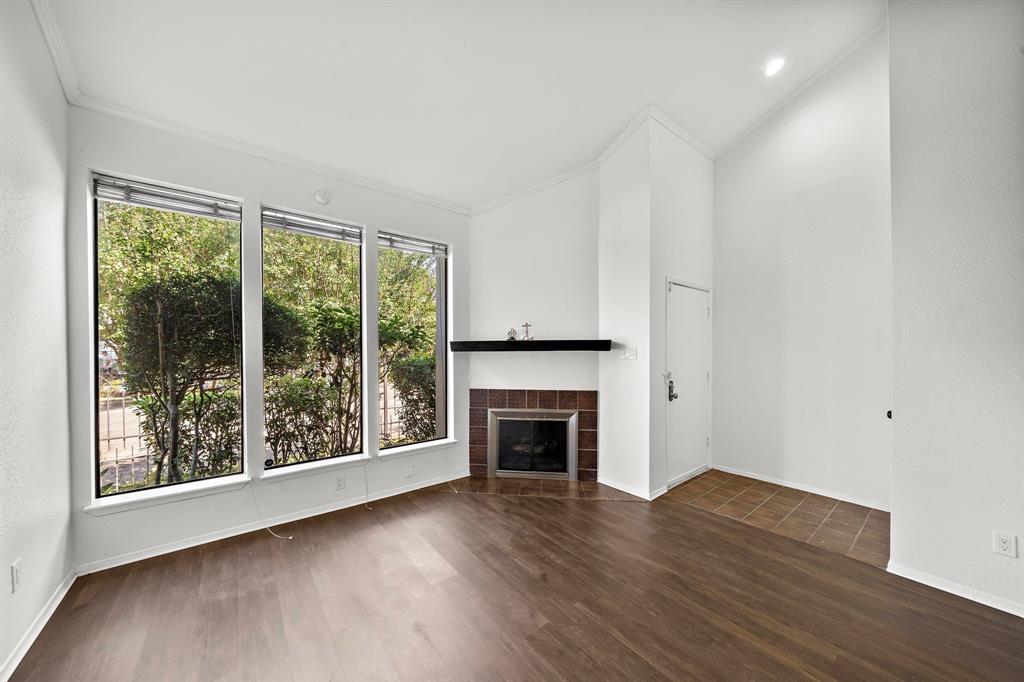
[{"x": 526, "y": 331}]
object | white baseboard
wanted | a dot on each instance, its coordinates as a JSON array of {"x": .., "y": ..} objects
[
  {"x": 9, "y": 666},
  {"x": 682, "y": 478},
  {"x": 658, "y": 492},
  {"x": 874, "y": 504},
  {"x": 139, "y": 555},
  {"x": 636, "y": 492},
  {"x": 1000, "y": 603}
]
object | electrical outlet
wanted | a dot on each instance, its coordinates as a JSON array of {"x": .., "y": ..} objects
[
  {"x": 630, "y": 353},
  {"x": 1005, "y": 544},
  {"x": 15, "y": 575},
  {"x": 339, "y": 483},
  {"x": 408, "y": 471}
]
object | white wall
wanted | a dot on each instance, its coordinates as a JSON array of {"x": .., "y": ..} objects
[
  {"x": 33, "y": 334},
  {"x": 957, "y": 98},
  {"x": 802, "y": 314},
  {"x": 113, "y": 145},
  {"x": 535, "y": 260},
  {"x": 624, "y": 304},
  {"x": 682, "y": 203}
]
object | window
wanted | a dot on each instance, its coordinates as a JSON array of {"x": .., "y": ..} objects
[
  {"x": 168, "y": 336},
  {"x": 412, "y": 275},
  {"x": 312, "y": 338}
]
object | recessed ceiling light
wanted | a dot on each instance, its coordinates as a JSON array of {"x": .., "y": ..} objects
[{"x": 774, "y": 66}]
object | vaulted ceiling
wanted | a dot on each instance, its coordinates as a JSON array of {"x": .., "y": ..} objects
[{"x": 465, "y": 102}]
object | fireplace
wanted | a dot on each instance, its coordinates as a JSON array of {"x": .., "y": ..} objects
[
  {"x": 532, "y": 443},
  {"x": 533, "y": 448}
]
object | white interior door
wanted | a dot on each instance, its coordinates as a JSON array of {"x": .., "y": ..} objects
[{"x": 688, "y": 345}]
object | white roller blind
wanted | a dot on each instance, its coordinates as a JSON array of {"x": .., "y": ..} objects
[
  {"x": 317, "y": 227},
  {"x": 110, "y": 188}
]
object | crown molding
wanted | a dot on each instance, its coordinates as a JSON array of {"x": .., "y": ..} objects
[
  {"x": 224, "y": 141},
  {"x": 75, "y": 97},
  {"x": 653, "y": 113},
  {"x": 59, "y": 54},
  {"x": 515, "y": 196},
  {"x": 656, "y": 114},
  {"x": 649, "y": 113},
  {"x": 627, "y": 133},
  {"x": 800, "y": 89}
]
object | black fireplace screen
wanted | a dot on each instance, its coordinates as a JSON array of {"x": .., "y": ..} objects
[{"x": 533, "y": 445}]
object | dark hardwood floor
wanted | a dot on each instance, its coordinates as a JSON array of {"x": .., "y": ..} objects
[{"x": 434, "y": 585}]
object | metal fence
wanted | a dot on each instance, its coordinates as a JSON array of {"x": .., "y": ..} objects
[
  {"x": 126, "y": 462},
  {"x": 124, "y": 459}
]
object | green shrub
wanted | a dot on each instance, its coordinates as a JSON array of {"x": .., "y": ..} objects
[{"x": 414, "y": 379}]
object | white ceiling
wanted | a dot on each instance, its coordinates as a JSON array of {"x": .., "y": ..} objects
[{"x": 465, "y": 102}]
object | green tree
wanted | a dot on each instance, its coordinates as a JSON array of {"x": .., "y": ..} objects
[
  {"x": 138, "y": 245},
  {"x": 182, "y": 341},
  {"x": 415, "y": 381}
]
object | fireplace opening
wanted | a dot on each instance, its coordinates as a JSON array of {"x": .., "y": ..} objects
[{"x": 532, "y": 443}]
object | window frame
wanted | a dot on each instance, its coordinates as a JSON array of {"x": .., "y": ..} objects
[
  {"x": 94, "y": 176},
  {"x": 441, "y": 349},
  {"x": 363, "y": 384}
]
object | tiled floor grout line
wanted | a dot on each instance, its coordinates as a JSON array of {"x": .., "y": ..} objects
[
  {"x": 827, "y": 516},
  {"x": 806, "y": 495},
  {"x": 776, "y": 492},
  {"x": 710, "y": 491},
  {"x": 734, "y": 496},
  {"x": 860, "y": 530}
]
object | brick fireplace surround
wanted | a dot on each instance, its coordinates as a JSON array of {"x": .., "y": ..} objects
[{"x": 585, "y": 402}]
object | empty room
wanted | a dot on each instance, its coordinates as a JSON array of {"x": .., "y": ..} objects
[{"x": 511, "y": 340}]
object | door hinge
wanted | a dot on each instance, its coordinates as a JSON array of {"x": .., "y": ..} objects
[
  {"x": 709, "y": 311},
  {"x": 709, "y": 376},
  {"x": 707, "y": 441}
]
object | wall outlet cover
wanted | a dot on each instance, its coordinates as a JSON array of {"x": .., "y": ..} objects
[
  {"x": 408, "y": 471},
  {"x": 339, "y": 483},
  {"x": 1004, "y": 544}
]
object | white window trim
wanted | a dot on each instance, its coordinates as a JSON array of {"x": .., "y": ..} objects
[
  {"x": 414, "y": 448},
  {"x": 166, "y": 494},
  {"x": 151, "y": 497},
  {"x": 283, "y": 473}
]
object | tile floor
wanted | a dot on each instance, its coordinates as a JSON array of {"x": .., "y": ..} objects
[
  {"x": 535, "y": 487},
  {"x": 858, "y": 532}
]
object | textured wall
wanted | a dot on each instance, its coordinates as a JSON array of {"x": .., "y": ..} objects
[
  {"x": 957, "y": 98},
  {"x": 33, "y": 338},
  {"x": 535, "y": 260},
  {"x": 803, "y": 289},
  {"x": 624, "y": 305}
]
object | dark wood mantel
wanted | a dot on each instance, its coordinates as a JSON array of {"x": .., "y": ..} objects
[{"x": 528, "y": 346}]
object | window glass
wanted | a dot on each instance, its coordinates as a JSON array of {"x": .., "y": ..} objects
[
  {"x": 312, "y": 339},
  {"x": 412, "y": 314},
  {"x": 168, "y": 338}
]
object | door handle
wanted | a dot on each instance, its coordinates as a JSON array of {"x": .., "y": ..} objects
[{"x": 672, "y": 395}]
